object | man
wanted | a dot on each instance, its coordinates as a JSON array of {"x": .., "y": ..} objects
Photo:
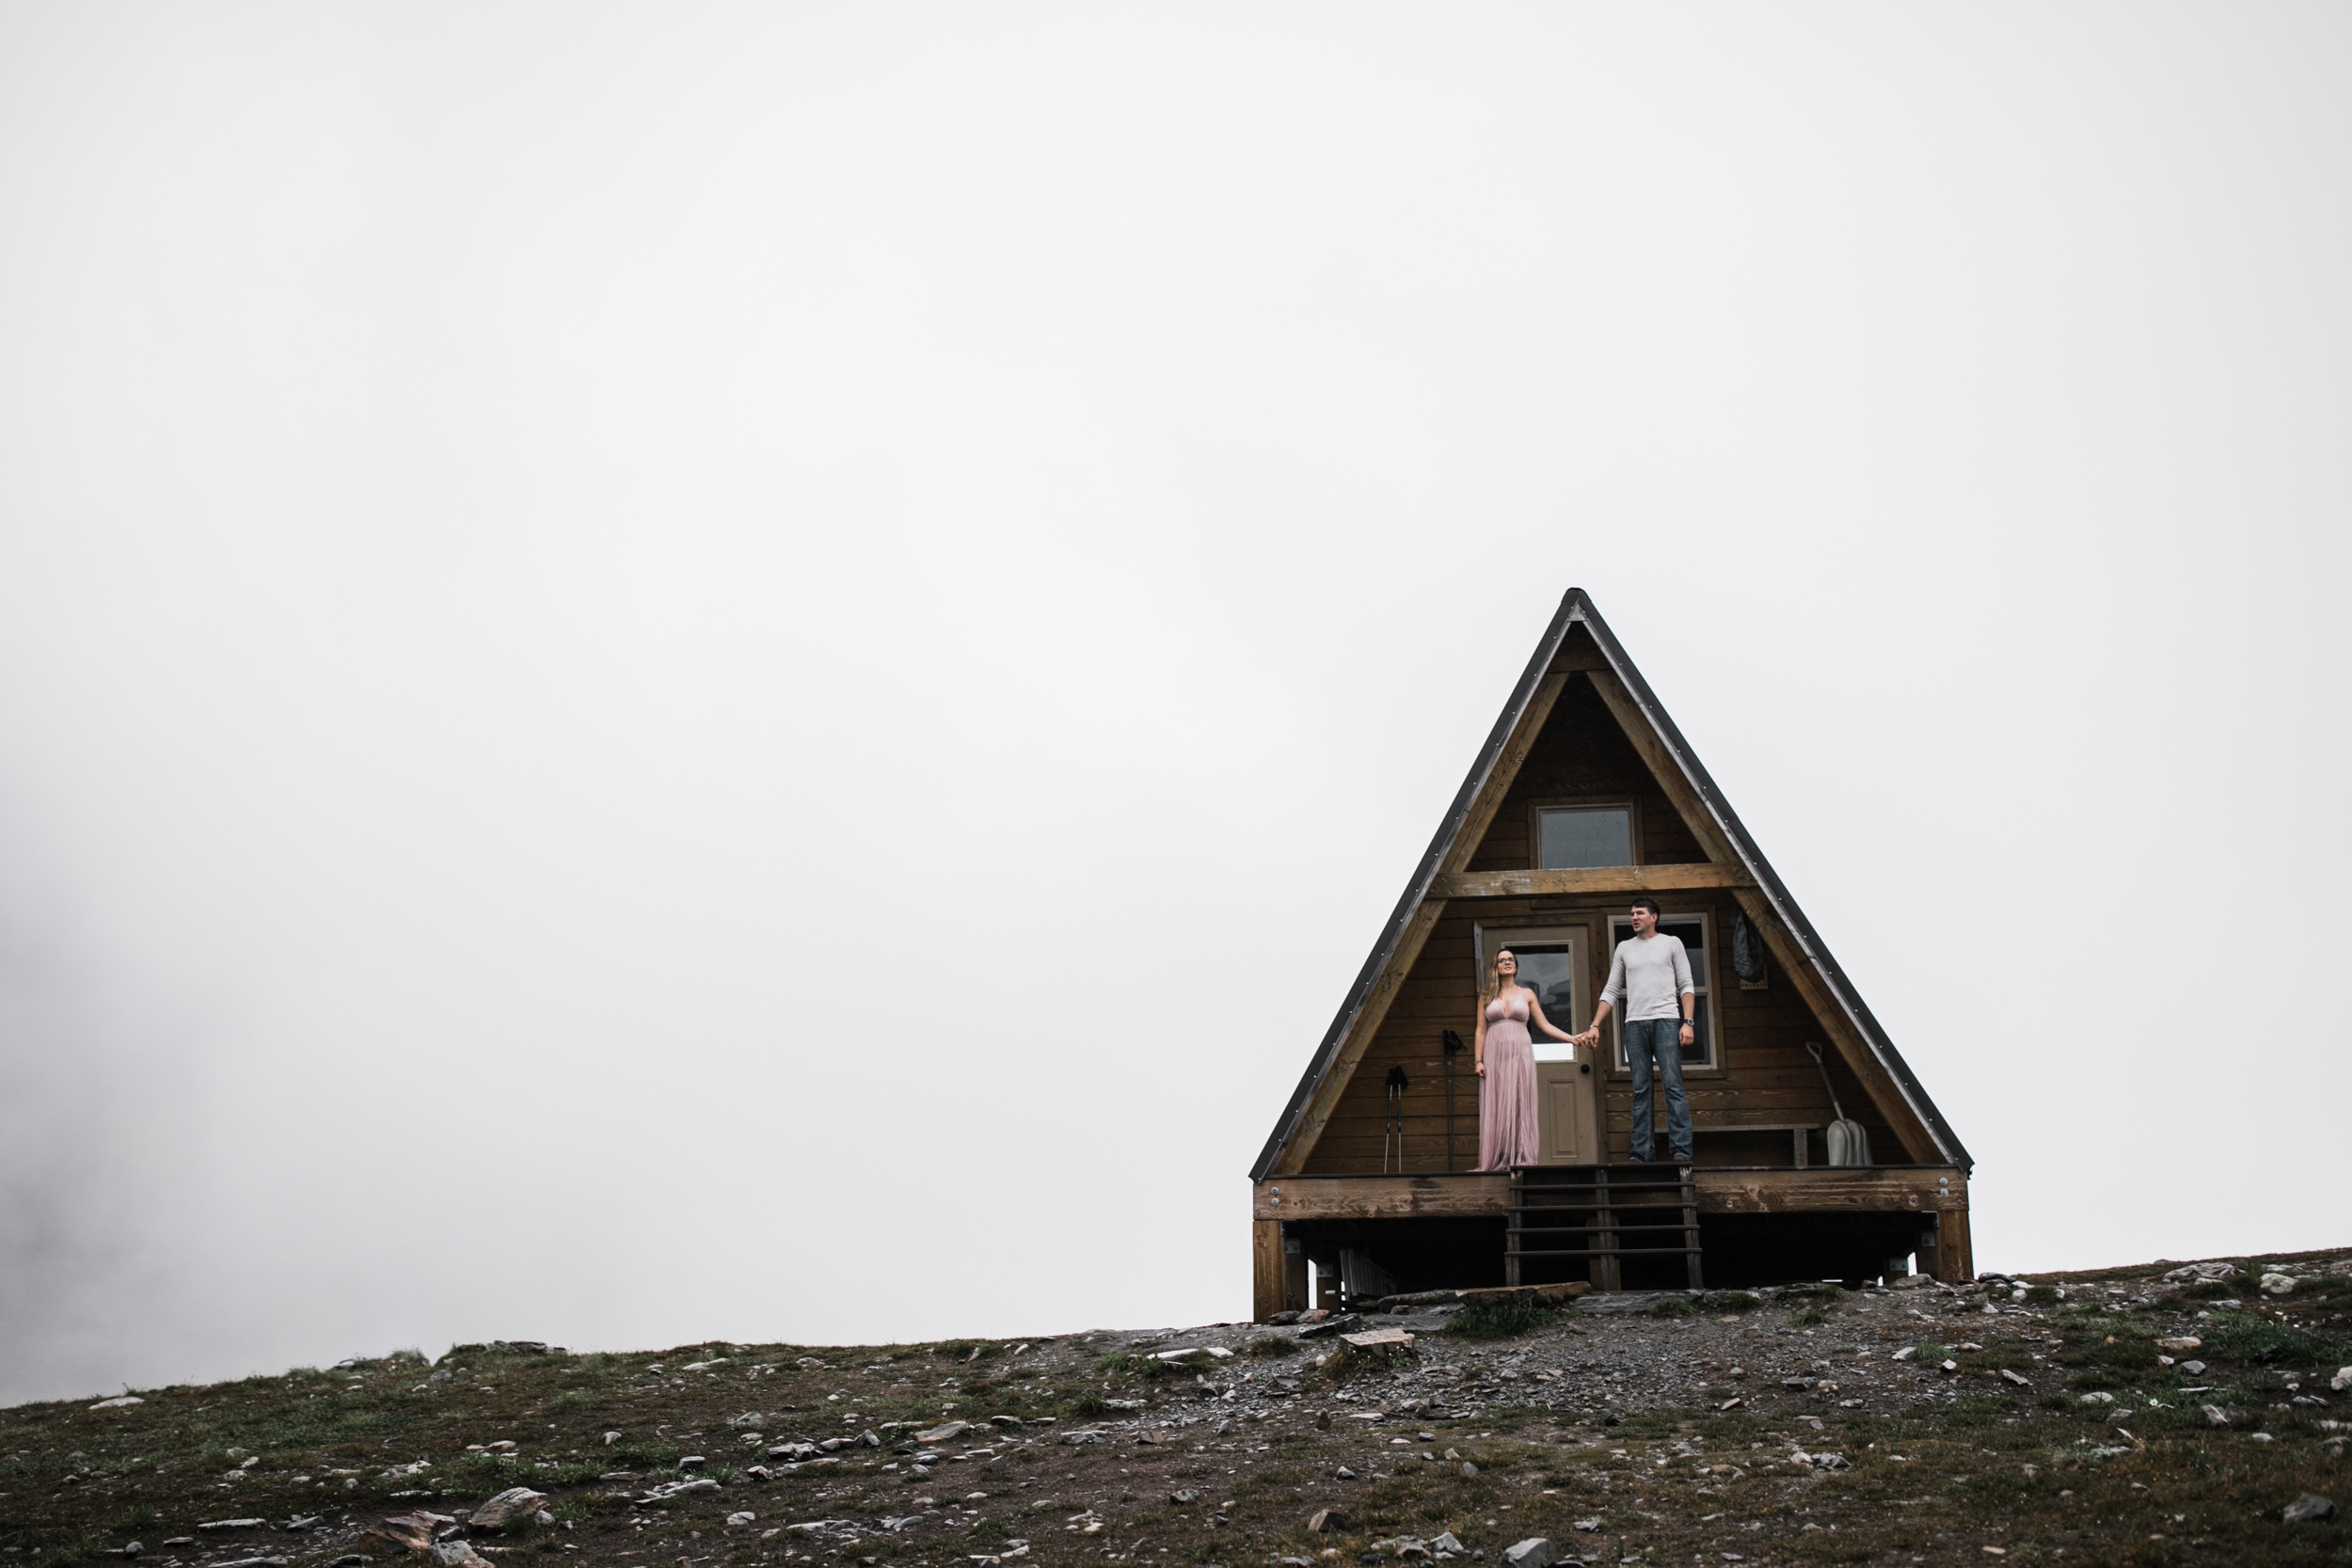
[{"x": 1651, "y": 973}]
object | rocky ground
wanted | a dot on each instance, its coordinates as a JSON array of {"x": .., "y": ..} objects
[{"x": 2157, "y": 1414}]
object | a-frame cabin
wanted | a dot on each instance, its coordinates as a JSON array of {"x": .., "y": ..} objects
[{"x": 1585, "y": 795}]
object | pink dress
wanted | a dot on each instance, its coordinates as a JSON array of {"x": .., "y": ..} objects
[{"x": 1506, "y": 1096}]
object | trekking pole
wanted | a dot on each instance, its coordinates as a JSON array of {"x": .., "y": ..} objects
[
  {"x": 1453, "y": 1044},
  {"x": 1395, "y": 1127}
]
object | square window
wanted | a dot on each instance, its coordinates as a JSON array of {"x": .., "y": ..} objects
[{"x": 1572, "y": 836}]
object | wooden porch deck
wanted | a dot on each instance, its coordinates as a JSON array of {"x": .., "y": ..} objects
[
  {"x": 1723, "y": 1190},
  {"x": 1940, "y": 1191}
]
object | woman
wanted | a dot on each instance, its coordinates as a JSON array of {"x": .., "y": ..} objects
[{"x": 1506, "y": 1094}]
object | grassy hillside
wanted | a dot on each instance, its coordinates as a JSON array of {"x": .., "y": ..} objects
[{"x": 2010, "y": 1422}]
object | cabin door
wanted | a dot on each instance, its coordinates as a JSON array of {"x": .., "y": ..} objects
[{"x": 1553, "y": 965}]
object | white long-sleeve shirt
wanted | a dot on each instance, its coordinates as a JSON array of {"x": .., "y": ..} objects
[{"x": 1652, "y": 974}]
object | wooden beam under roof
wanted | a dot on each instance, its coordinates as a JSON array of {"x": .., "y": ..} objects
[{"x": 1599, "y": 879}]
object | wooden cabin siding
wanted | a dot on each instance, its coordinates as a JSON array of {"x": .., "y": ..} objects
[{"x": 1765, "y": 1076}]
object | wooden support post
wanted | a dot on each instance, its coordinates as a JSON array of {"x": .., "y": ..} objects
[
  {"x": 1954, "y": 1259},
  {"x": 1265, "y": 1269},
  {"x": 1294, "y": 1276}
]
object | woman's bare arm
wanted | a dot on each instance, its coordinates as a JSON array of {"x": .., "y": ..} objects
[{"x": 1535, "y": 1010}]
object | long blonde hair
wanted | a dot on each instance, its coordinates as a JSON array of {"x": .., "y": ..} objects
[{"x": 1494, "y": 975}]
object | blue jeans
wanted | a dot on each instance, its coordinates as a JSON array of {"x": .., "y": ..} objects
[{"x": 1656, "y": 1039}]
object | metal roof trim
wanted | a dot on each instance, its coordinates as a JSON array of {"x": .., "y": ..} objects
[
  {"x": 1775, "y": 893},
  {"x": 1449, "y": 829}
]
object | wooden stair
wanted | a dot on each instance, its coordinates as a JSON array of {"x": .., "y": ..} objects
[{"x": 1603, "y": 1214}]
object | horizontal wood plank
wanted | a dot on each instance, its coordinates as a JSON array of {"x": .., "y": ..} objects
[
  {"x": 1379, "y": 1198},
  {"x": 1590, "y": 880}
]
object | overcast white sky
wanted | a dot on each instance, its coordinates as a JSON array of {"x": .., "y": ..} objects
[{"x": 673, "y": 672}]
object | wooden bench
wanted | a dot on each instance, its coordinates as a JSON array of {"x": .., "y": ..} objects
[{"x": 1796, "y": 1129}]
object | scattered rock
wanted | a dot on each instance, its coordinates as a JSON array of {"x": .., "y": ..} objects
[
  {"x": 1533, "y": 1552},
  {"x": 2341, "y": 1382},
  {"x": 2309, "y": 1509},
  {"x": 412, "y": 1530},
  {"x": 745, "y": 1518},
  {"x": 695, "y": 1460},
  {"x": 1327, "y": 1519},
  {"x": 1187, "y": 1497},
  {"x": 515, "y": 1502},
  {"x": 232, "y": 1524},
  {"x": 1588, "y": 1525},
  {"x": 2278, "y": 1284},
  {"x": 1469, "y": 1468},
  {"x": 2095, "y": 1399},
  {"x": 2185, "y": 1341},
  {"x": 458, "y": 1554},
  {"x": 2017, "y": 1379},
  {"x": 2194, "y": 1368},
  {"x": 2216, "y": 1415},
  {"x": 944, "y": 1433},
  {"x": 2188, "y": 1271},
  {"x": 117, "y": 1402},
  {"x": 1446, "y": 1542},
  {"x": 1906, "y": 1353},
  {"x": 1344, "y": 1473}
]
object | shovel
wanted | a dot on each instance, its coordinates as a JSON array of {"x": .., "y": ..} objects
[{"x": 1848, "y": 1145}]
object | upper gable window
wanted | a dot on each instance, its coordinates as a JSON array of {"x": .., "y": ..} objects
[{"x": 1571, "y": 836}]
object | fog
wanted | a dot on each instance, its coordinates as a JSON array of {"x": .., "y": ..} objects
[{"x": 686, "y": 672}]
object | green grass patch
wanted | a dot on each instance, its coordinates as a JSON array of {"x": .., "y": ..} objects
[
  {"x": 1673, "y": 1306},
  {"x": 2267, "y": 1343},
  {"x": 1808, "y": 1317},
  {"x": 1273, "y": 1345},
  {"x": 1732, "y": 1301},
  {"x": 1499, "y": 1319}
]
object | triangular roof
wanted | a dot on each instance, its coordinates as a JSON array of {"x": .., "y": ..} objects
[{"x": 1855, "y": 1032}]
